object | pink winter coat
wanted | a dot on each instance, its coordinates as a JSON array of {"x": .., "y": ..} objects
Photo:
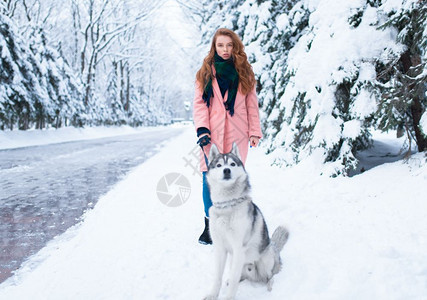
[{"x": 226, "y": 129}]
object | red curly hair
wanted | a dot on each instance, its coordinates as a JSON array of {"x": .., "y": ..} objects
[{"x": 243, "y": 68}]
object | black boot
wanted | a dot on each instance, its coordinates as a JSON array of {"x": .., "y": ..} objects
[{"x": 205, "y": 238}]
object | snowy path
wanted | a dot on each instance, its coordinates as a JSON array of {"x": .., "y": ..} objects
[{"x": 351, "y": 238}]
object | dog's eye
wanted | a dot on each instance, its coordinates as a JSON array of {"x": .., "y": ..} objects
[
  {"x": 233, "y": 164},
  {"x": 218, "y": 165}
]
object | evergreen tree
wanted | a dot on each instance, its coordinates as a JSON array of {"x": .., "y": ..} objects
[
  {"x": 63, "y": 106},
  {"x": 38, "y": 88},
  {"x": 317, "y": 72},
  {"x": 113, "y": 99},
  {"x": 401, "y": 84},
  {"x": 279, "y": 34},
  {"x": 21, "y": 95},
  {"x": 324, "y": 108}
]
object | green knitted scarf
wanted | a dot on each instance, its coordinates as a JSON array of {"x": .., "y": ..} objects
[{"x": 228, "y": 79}]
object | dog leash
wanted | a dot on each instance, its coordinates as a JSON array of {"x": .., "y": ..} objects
[
  {"x": 206, "y": 158},
  {"x": 201, "y": 144}
]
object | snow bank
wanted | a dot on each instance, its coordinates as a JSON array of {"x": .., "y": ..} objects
[
  {"x": 21, "y": 138},
  {"x": 351, "y": 238}
]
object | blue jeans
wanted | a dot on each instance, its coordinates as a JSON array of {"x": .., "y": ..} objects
[{"x": 206, "y": 195}]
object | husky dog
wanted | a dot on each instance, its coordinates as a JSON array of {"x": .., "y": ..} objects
[{"x": 238, "y": 228}]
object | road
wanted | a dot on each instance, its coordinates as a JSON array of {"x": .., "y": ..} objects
[{"x": 44, "y": 190}]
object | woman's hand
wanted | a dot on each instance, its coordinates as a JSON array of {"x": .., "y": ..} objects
[
  {"x": 253, "y": 141},
  {"x": 204, "y": 140}
]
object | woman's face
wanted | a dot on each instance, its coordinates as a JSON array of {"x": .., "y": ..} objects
[{"x": 224, "y": 46}]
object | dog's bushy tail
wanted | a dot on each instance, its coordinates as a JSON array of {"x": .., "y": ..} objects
[{"x": 279, "y": 238}]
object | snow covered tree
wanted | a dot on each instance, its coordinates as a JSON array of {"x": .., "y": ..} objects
[
  {"x": 35, "y": 83},
  {"x": 113, "y": 98},
  {"x": 317, "y": 66},
  {"x": 119, "y": 56},
  {"x": 401, "y": 84},
  {"x": 131, "y": 53},
  {"x": 326, "y": 104},
  {"x": 63, "y": 106},
  {"x": 279, "y": 25},
  {"x": 39, "y": 88},
  {"x": 20, "y": 91}
]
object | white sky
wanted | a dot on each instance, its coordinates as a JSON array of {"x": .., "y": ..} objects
[{"x": 180, "y": 29}]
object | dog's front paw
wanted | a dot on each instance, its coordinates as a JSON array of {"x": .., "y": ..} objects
[
  {"x": 210, "y": 297},
  {"x": 270, "y": 284}
]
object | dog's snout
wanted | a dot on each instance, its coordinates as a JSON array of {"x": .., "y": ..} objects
[{"x": 227, "y": 173}]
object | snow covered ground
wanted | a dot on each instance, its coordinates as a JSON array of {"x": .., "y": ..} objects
[{"x": 363, "y": 237}]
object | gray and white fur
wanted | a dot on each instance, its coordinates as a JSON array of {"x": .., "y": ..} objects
[{"x": 237, "y": 227}]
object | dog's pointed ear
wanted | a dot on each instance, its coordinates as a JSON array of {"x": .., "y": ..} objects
[
  {"x": 213, "y": 152},
  {"x": 235, "y": 150}
]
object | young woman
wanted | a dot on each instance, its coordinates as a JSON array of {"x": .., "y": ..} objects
[{"x": 225, "y": 106}]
